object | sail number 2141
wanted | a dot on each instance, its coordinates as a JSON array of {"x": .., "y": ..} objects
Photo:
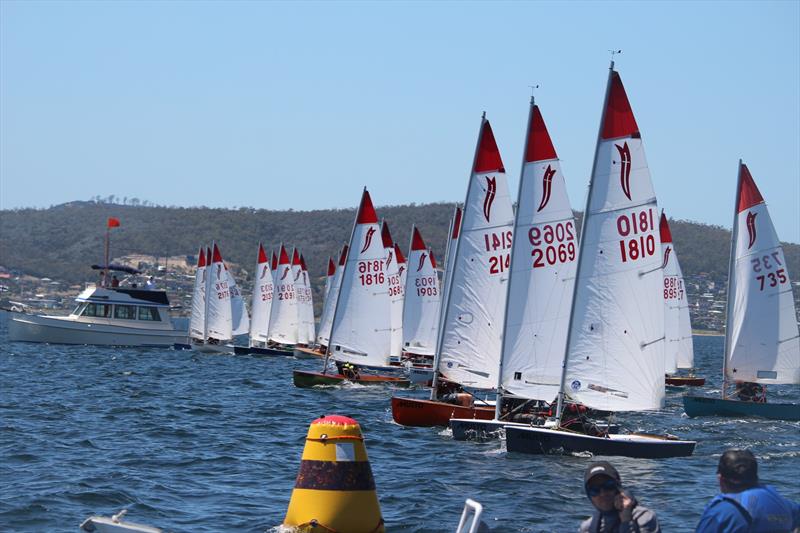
[
  {"x": 636, "y": 230},
  {"x": 497, "y": 243}
]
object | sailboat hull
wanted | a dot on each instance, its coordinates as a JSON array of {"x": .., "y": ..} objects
[
  {"x": 484, "y": 430},
  {"x": 427, "y": 413},
  {"x": 677, "y": 381},
  {"x": 538, "y": 441},
  {"x": 700, "y": 406},
  {"x": 303, "y": 379},
  {"x": 254, "y": 350},
  {"x": 304, "y": 352}
]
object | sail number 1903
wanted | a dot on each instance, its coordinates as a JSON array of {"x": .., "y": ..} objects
[{"x": 637, "y": 240}]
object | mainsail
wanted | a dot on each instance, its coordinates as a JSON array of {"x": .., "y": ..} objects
[
  {"x": 326, "y": 320},
  {"x": 542, "y": 277},
  {"x": 615, "y": 354},
  {"x": 762, "y": 343},
  {"x": 219, "y": 320},
  {"x": 361, "y": 321},
  {"x": 198, "y": 318},
  {"x": 395, "y": 291},
  {"x": 422, "y": 300},
  {"x": 283, "y": 321},
  {"x": 300, "y": 296},
  {"x": 261, "y": 303},
  {"x": 678, "y": 327},
  {"x": 308, "y": 303},
  {"x": 469, "y": 348}
]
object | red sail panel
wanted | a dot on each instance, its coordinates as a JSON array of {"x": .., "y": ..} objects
[
  {"x": 666, "y": 234},
  {"x": 274, "y": 261},
  {"x": 540, "y": 147},
  {"x": 488, "y": 157},
  {"x": 262, "y": 255},
  {"x": 749, "y": 195},
  {"x": 331, "y": 267},
  {"x": 366, "y": 211},
  {"x": 456, "y": 224},
  {"x": 296, "y": 257},
  {"x": 216, "y": 257},
  {"x": 433, "y": 258},
  {"x": 416, "y": 242},
  {"x": 201, "y": 259},
  {"x": 618, "y": 119},
  {"x": 283, "y": 256},
  {"x": 386, "y": 235},
  {"x": 343, "y": 255},
  {"x": 401, "y": 259}
]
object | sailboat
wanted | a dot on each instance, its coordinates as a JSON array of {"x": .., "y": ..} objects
[
  {"x": 283, "y": 318},
  {"x": 308, "y": 303},
  {"x": 197, "y": 319},
  {"x": 761, "y": 336},
  {"x": 395, "y": 291},
  {"x": 614, "y": 358},
  {"x": 218, "y": 324},
  {"x": 468, "y": 346},
  {"x": 678, "y": 327},
  {"x": 422, "y": 303},
  {"x": 360, "y": 333},
  {"x": 540, "y": 289}
]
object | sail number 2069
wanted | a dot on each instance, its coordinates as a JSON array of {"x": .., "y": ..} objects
[
  {"x": 552, "y": 244},
  {"x": 632, "y": 227}
]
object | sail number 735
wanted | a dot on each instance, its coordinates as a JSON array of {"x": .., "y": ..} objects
[
  {"x": 762, "y": 265},
  {"x": 636, "y": 230}
]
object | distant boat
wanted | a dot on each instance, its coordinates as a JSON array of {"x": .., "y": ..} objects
[
  {"x": 762, "y": 345},
  {"x": 614, "y": 358},
  {"x": 329, "y": 305},
  {"x": 395, "y": 291},
  {"x": 218, "y": 324},
  {"x": 284, "y": 316},
  {"x": 422, "y": 302}
]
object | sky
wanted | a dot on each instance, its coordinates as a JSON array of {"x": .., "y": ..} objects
[{"x": 299, "y": 105}]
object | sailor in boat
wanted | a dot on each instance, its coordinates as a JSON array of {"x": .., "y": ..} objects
[
  {"x": 150, "y": 285},
  {"x": 348, "y": 370},
  {"x": 743, "y": 503},
  {"x": 748, "y": 391},
  {"x": 114, "y": 281},
  {"x": 451, "y": 392},
  {"x": 616, "y": 510}
]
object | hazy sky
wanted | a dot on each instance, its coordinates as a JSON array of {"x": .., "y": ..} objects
[{"x": 299, "y": 104}]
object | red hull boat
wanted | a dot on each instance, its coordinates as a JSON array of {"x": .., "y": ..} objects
[{"x": 428, "y": 413}]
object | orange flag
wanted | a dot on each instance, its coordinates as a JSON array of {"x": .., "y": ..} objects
[{"x": 113, "y": 222}]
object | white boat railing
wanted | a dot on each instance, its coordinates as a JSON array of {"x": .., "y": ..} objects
[{"x": 475, "y": 509}]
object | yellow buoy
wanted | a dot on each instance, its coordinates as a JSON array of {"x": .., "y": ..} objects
[{"x": 335, "y": 490}]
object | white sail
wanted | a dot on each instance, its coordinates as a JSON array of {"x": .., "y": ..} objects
[
  {"x": 542, "y": 275},
  {"x": 300, "y": 295},
  {"x": 402, "y": 268},
  {"x": 283, "y": 321},
  {"x": 679, "y": 349},
  {"x": 395, "y": 291},
  {"x": 219, "y": 320},
  {"x": 762, "y": 344},
  {"x": 240, "y": 318},
  {"x": 422, "y": 300},
  {"x": 361, "y": 321},
  {"x": 329, "y": 278},
  {"x": 308, "y": 315},
  {"x": 473, "y": 318},
  {"x": 198, "y": 316},
  {"x": 326, "y": 320},
  {"x": 455, "y": 231},
  {"x": 615, "y": 357},
  {"x": 261, "y": 303}
]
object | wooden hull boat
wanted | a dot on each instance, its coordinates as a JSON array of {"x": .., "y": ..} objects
[
  {"x": 305, "y": 352},
  {"x": 428, "y": 413},
  {"x": 304, "y": 379},
  {"x": 534, "y": 440},
  {"x": 690, "y": 381},
  {"x": 700, "y": 406}
]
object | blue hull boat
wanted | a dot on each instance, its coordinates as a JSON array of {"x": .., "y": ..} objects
[{"x": 700, "y": 406}]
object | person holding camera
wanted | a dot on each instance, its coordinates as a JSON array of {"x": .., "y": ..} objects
[{"x": 616, "y": 510}]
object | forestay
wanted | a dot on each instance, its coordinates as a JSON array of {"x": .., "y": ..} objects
[
  {"x": 678, "y": 328},
  {"x": 198, "y": 316},
  {"x": 283, "y": 321},
  {"x": 542, "y": 275},
  {"x": 615, "y": 357},
  {"x": 361, "y": 321},
  {"x": 326, "y": 320},
  {"x": 395, "y": 291},
  {"x": 473, "y": 321},
  {"x": 219, "y": 320},
  {"x": 763, "y": 345},
  {"x": 422, "y": 300},
  {"x": 261, "y": 303}
]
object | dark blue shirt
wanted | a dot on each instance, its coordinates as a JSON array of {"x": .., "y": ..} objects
[{"x": 757, "y": 510}]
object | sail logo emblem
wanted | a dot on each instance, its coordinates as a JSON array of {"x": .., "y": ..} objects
[
  {"x": 298, "y": 275},
  {"x": 368, "y": 239},
  {"x": 751, "y": 228},
  {"x": 285, "y": 272},
  {"x": 401, "y": 270},
  {"x": 304, "y": 278},
  {"x": 389, "y": 260},
  {"x": 625, "y": 169},
  {"x": 491, "y": 190},
  {"x": 666, "y": 256},
  {"x": 547, "y": 185},
  {"x": 421, "y": 261},
  {"x": 219, "y": 271},
  {"x": 264, "y": 271}
]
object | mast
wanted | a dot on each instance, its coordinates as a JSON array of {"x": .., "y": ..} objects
[
  {"x": 207, "y": 296},
  {"x": 339, "y": 294},
  {"x": 499, "y": 396},
  {"x": 731, "y": 278},
  {"x": 446, "y": 302},
  {"x": 560, "y": 404}
]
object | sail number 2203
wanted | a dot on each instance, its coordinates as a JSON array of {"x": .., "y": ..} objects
[{"x": 636, "y": 230}]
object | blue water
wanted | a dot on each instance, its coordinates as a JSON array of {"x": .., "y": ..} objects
[{"x": 198, "y": 443}]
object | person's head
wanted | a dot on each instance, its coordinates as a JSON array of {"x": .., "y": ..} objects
[
  {"x": 602, "y": 484},
  {"x": 737, "y": 471}
]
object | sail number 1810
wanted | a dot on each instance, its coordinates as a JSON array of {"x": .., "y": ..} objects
[{"x": 636, "y": 230}]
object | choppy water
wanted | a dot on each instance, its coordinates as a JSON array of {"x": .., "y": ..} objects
[{"x": 190, "y": 442}]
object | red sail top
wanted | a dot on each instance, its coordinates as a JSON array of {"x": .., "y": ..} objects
[
  {"x": 618, "y": 119},
  {"x": 208, "y": 256},
  {"x": 366, "y": 212},
  {"x": 262, "y": 256},
  {"x": 416, "y": 241},
  {"x": 749, "y": 195},
  {"x": 201, "y": 258},
  {"x": 295, "y": 257},
  {"x": 274, "y": 260},
  {"x": 283, "y": 256},
  {"x": 343, "y": 255},
  {"x": 331, "y": 267},
  {"x": 433, "y": 259},
  {"x": 386, "y": 236},
  {"x": 456, "y": 224},
  {"x": 488, "y": 157},
  {"x": 540, "y": 147},
  {"x": 303, "y": 262},
  {"x": 399, "y": 254},
  {"x": 216, "y": 257},
  {"x": 666, "y": 234}
]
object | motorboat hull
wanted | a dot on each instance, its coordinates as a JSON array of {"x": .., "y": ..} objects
[
  {"x": 428, "y": 413},
  {"x": 702, "y": 406},
  {"x": 52, "y": 330},
  {"x": 305, "y": 379},
  {"x": 538, "y": 441},
  {"x": 690, "y": 381}
]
